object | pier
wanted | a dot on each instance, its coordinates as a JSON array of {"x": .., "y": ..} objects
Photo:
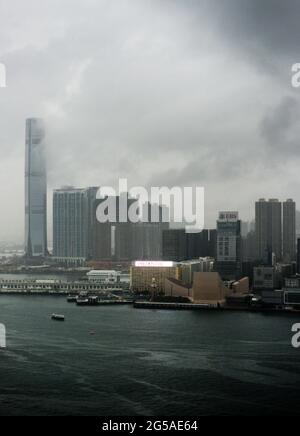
[{"x": 56, "y": 287}]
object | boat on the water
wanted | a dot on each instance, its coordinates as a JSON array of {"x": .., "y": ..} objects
[
  {"x": 72, "y": 298},
  {"x": 57, "y": 317}
]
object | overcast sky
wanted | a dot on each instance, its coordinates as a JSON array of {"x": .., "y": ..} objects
[{"x": 176, "y": 92}]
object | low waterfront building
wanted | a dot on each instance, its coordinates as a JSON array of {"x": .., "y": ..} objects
[
  {"x": 241, "y": 286},
  {"x": 108, "y": 276},
  {"x": 42, "y": 287},
  {"x": 273, "y": 298},
  {"x": 264, "y": 278},
  {"x": 208, "y": 287},
  {"x": 104, "y": 276},
  {"x": 176, "y": 288},
  {"x": 189, "y": 267},
  {"x": 69, "y": 262},
  {"x": 145, "y": 275},
  {"x": 291, "y": 291}
]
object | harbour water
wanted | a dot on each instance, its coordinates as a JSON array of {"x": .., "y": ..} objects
[{"x": 124, "y": 361}]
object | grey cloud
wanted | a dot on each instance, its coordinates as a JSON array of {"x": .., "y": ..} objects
[
  {"x": 175, "y": 93},
  {"x": 280, "y": 128}
]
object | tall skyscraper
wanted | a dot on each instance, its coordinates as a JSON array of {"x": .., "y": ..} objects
[
  {"x": 268, "y": 228},
  {"x": 35, "y": 190},
  {"x": 289, "y": 231},
  {"x": 228, "y": 245}
]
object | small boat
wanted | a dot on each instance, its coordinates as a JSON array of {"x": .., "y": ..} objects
[
  {"x": 57, "y": 317},
  {"x": 72, "y": 298},
  {"x": 82, "y": 301}
]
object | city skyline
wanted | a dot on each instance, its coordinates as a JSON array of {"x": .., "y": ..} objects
[
  {"x": 150, "y": 240},
  {"x": 51, "y": 190},
  {"x": 149, "y": 101}
]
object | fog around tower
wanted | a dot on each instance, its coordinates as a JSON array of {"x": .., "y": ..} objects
[{"x": 160, "y": 92}]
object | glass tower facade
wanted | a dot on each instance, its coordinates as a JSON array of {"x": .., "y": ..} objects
[{"x": 35, "y": 190}]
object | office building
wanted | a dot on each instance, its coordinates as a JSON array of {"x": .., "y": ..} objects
[
  {"x": 268, "y": 228},
  {"x": 125, "y": 241},
  {"x": 298, "y": 256},
  {"x": 91, "y": 194},
  {"x": 148, "y": 232},
  {"x": 175, "y": 245},
  {"x": 265, "y": 277},
  {"x": 113, "y": 240},
  {"x": 148, "y": 241},
  {"x": 291, "y": 292},
  {"x": 35, "y": 190},
  {"x": 179, "y": 245},
  {"x": 228, "y": 262},
  {"x": 72, "y": 226},
  {"x": 248, "y": 247},
  {"x": 289, "y": 231},
  {"x": 102, "y": 237}
]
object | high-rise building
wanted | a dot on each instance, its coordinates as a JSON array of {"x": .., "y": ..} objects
[
  {"x": 103, "y": 238},
  {"x": 228, "y": 245},
  {"x": 148, "y": 235},
  {"x": 179, "y": 245},
  {"x": 175, "y": 245},
  {"x": 201, "y": 244},
  {"x": 268, "y": 228},
  {"x": 123, "y": 231},
  {"x": 124, "y": 240},
  {"x": 212, "y": 244},
  {"x": 289, "y": 231},
  {"x": 148, "y": 241},
  {"x": 298, "y": 256},
  {"x": 113, "y": 239},
  {"x": 72, "y": 223},
  {"x": 91, "y": 195},
  {"x": 35, "y": 190},
  {"x": 249, "y": 247}
]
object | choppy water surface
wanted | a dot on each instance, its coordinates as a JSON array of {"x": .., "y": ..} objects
[{"x": 141, "y": 362}]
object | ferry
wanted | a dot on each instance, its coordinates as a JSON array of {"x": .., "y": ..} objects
[
  {"x": 88, "y": 301},
  {"x": 72, "y": 298},
  {"x": 56, "y": 317}
]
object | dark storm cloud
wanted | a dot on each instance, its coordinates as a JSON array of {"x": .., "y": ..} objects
[
  {"x": 162, "y": 92},
  {"x": 270, "y": 25},
  {"x": 278, "y": 127}
]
